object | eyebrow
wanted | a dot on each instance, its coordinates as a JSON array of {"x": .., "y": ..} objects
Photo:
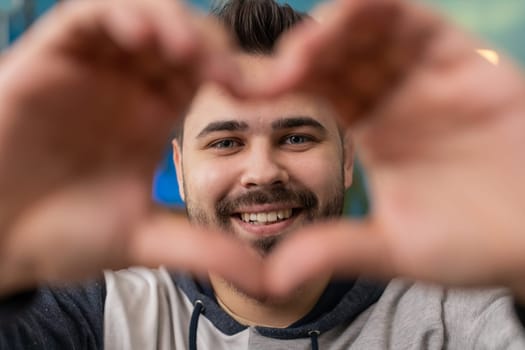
[
  {"x": 296, "y": 122},
  {"x": 223, "y": 125},
  {"x": 280, "y": 124}
]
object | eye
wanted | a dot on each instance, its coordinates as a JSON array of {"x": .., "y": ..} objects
[
  {"x": 297, "y": 139},
  {"x": 225, "y": 144}
]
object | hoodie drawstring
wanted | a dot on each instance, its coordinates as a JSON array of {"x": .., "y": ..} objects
[
  {"x": 314, "y": 338},
  {"x": 194, "y": 323}
]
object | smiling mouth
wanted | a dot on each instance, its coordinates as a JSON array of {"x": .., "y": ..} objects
[{"x": 267, "y": 217}]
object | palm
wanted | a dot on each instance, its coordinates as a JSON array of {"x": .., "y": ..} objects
[
  {"x": 86, "y": 132},
  {"x": 91, "y": 118},
  {"x": 446, "y": 156},
  {"x": 443, "y": 140}
]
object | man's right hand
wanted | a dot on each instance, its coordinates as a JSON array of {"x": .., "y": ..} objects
[{"x": 88, "y": 99}]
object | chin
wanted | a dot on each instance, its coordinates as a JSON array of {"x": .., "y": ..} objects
[{"x": 264, "y": 246}]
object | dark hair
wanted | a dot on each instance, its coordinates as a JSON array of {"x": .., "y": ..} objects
[{"x": 256, "y": 25}]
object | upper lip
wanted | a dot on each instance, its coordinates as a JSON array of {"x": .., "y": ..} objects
[{"x": 262, "y": 208}]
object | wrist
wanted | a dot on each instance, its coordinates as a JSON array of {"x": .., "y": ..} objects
[{"x": 17, "y": 274}]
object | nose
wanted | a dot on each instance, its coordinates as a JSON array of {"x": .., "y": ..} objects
[{"x": 263, "y": 168}]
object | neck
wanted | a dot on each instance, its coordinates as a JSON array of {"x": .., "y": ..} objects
[{"x": 269, "y": 313}]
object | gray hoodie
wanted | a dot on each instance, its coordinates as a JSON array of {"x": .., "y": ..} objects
[{"x": 151, "y": 309}]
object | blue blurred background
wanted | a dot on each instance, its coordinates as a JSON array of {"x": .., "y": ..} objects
[{"x": 500, "y": 22}]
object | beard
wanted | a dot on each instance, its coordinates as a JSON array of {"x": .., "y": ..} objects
[{"x": 296, "y": 196}]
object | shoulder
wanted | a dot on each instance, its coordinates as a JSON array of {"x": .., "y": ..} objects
[
  {"x": 52, "y": 318},
  {"x": 139, "y": 290},
  {"x": 468, "y": 318},
  {"x": 424, "y": 298},
  {"x": 133, "y": 280},
  {"x": 143, "y": 307}
]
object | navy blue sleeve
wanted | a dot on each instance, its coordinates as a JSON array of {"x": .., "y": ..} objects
[{"x": 68, "y": 318}]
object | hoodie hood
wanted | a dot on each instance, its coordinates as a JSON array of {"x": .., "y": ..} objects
[{"x": 354, "y": 298}]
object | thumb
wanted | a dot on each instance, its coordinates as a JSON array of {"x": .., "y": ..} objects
[
  {"x": 171, "y": 241},
  {"x": 338, "y": 249}
]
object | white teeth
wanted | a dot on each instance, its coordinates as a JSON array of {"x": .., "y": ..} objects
[
  {"x": 284, "y": 214},
  {"x": 266, "y": 217},
  {"x": 261, "y": 217}
]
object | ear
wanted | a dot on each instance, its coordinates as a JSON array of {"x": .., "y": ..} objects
[
  {"x": 177, "y": 161},
  {"x": 348, "y": 154}
]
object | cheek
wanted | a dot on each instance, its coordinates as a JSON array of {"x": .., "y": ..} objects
[
  {"x": 208, "y": 181},
  {"x": 321, "y": 174}
]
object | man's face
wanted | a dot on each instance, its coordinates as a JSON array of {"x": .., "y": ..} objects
[{"x": 260, "y": 170}]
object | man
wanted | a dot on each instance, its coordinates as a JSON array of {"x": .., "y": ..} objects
[{"x": 257, "y": 170}]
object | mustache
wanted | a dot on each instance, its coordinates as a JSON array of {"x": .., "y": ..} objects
[{"x": 302, "y": 198}]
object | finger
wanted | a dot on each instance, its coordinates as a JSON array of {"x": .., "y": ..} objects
[
  {"x": 188, "y": 38},
  {"x": 127, "y": 27},
  {"x": 131, "y": 24},
  {"x": 173, "y": 242},
  {"x": 385, "y": 35},
  {"x": 72, "y": 232},
  {"x": 299, "y": 50},
  {"x": 71, "y": 20},
  {"x": 291, "y": 63},
  {"x": 173, "y": 23},
  {"x": 344, "y": 249},
  {"x": 214, "y": 60},
  {"x": 193, "y": 48},
  {"x": 219, "y": 55}
]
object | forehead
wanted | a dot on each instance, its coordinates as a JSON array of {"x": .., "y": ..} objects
[{"x": 212, "y": 104}]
